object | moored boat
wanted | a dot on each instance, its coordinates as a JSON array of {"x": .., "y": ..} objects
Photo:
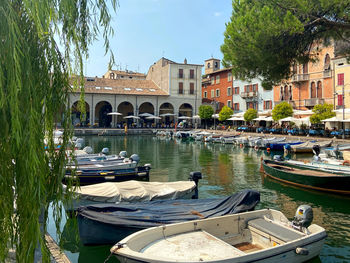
[
  {"x": 134, "y": 191},
  {"x": 279, "y": 146},
  {"x": 258, "y": 236},
  {"x": 108, "y": 223},
  {"x": 307, "y": 147},
  {"x": 302, "y": 176}
]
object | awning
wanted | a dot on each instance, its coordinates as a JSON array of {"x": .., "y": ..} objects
[{"x": 333, "y": 119}]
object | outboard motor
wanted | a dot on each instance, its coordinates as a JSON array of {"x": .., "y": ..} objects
[
  {"x": 316, "y": 149},
  {"x": 87, "y": 149},
  {"x": 123, "y": 154},
  {"x": 278, "y": 158},
  {"x": 135, "y": 158},
  {"x": 105, "y": 151},
  {"x": 195, "y": 176},
  {"x": 303, "y": 217},
  {"x": 287, "y": 148}
]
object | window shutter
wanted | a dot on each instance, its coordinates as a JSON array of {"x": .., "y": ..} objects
[
  {"x": 340, "y": 100},
  {"x": 340, "y": 79}
]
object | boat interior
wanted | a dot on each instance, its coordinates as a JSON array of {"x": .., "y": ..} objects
[{"x": 217, "y": 238}]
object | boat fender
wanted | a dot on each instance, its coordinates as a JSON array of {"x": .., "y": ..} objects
[
  {"x": 123, "y": 154},
  {"x": 135, "y": 157},
  {"x": 268, "y": 149},
  {"x": 105, "y": 151},
  {"x": 301, "y": 251},
  {"x": 346, "y": 163}
]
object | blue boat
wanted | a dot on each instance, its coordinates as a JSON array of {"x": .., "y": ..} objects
[
  {"x": 109, "y": 223},
  {"x": 279, "y": 146},
  {"x": 86, "y": 177}
]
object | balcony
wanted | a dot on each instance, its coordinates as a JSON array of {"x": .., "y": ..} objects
[
  {"x": 290, "y": 102},
  {"x": 300, "y": 77},
  {"x": 247, "y": 95},
  {"x": 327, "y": 74},
  {"x": 313, "y": 101}
]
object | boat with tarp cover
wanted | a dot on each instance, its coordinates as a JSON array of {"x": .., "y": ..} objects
[{"x": 109, "y": 223}]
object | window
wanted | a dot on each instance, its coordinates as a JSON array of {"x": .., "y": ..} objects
[
  {"x": 181, "y": 88},
  {"x": 229, "y": 104},
  {"x": 208, "y": 65},
  {"x": 212, "y": 80},
  {"x": 212, "y": 93},
  {"x": 319, "y": 89},
  {"x": 111, "y": 76},
  {"x": 138, "y": 89},
  {"x": 327, "y": 62},
  {"x": 229, "y": 76},
  {"x": 191, "y": 73},
  {"x": 305, "y": 69},
  {"x": 205, "y": 94},
  {"x": 191, "y": 88},
  {"x": 255, "y": 87},
  {"x": 290, "y": 93},
  {"x": 313, "y": 90},
  {"x": 217, "y": 79},
  {"x": 340, "y": 100},
  {"x": 236, "y": 106},
  {"x": 229, "y": 91},
  {"x": 236, "y": 90},
  {"x": 181, "y": 73},
  {"x": 217, "y": 93},
  {"x": 216, "y": 64},
  {"x": 340, "y": 79},
  {"x": 267, "y": 105}
]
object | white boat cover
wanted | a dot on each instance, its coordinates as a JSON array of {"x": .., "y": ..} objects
[{"x": 134, "y": 191}]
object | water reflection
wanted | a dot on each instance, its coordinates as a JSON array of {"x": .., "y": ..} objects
[{"x": 226, "y": 169}]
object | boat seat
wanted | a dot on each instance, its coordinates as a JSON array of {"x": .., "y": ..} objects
[{"x": 282, "y": 233}]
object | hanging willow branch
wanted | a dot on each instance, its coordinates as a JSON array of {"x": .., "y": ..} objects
[{"x": 34, "y": 88}]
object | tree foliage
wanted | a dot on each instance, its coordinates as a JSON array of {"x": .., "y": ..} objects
[
  {"x": 266, "y": 38},
  {"x": 34, "y": 89},
  {"x": 281, "y": 111},
  {"x": 205, "y": 112},
  {"x": 225, "y": 113},
  {"x": 322, "y": 112},
  {"x": 250, "y": 115}
]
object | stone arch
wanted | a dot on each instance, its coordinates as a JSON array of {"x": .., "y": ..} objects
[
  {"x": 313, "y": 91},
  {"x": 290, "y": 92},
  {"x": 319, "y": 89},
  {"x": 146, "y": 107},
  {"x": 281, "y": 93},
  {"x": 286, "y": 92},
  {"x": 167, "y": 108},
  {"x": 102, "y": 108},
  {"x": 126, "y": 109},
  {"x": 186, "y": 109},
  {"x": 77, "y": 118}
]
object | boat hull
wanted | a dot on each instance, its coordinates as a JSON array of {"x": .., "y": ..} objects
[
  {"x": 100, "y": 176},
  {"x": 307, "y": 178},
  {"x": 223, "y": 242}
]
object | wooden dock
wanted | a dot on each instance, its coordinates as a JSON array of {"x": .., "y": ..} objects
[{"x": 57, "y": 255}]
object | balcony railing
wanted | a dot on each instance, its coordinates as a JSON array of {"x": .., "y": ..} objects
[
  {"x": 327, "y": 74},
  {"x": 300, "y": 77},
  {"x": 251, "y": 94},
  {"x": 313, "y": 101},
  {"x": 180, "y": 76},
  {"x": 291, "y": 102}
]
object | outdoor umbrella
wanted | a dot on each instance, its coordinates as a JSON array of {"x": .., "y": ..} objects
[
  {"x": 145, "y": 114},
  {"x": 167, "y": 114},
  {"x": 131, "y": 117},
  {"x": 215, "y": 116},
  {"x": 153, "y": 118},
  {"x": 114, "y": 114},
  {"x": 184, "y": 118}
]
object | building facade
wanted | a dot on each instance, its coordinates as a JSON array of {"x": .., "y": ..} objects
[
  {"x": 163, "y": 92},
  {"x": 311, "y": 83},
  {"x": 341, "y": 82},
  {"x": 220, "y": 88}
]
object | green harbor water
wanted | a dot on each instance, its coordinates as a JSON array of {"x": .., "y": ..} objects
[{"x": 226, "y": 169}]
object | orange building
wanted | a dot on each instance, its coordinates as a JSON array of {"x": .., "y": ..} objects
[{"x": 311, "y": 84}]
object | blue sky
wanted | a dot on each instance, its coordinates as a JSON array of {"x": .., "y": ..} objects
[{"x": 146, "y": 30}]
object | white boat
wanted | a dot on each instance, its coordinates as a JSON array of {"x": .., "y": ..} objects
[
  {"x": 126, "y": 163},
  {"x": 258, "y": 236},
  {"x": 131, "y": 191}
]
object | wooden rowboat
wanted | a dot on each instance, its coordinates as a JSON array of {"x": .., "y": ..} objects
[{"x": 321, "y": 180}]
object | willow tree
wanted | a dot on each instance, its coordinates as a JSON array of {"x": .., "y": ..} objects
[{"x": 42, "y": 44}]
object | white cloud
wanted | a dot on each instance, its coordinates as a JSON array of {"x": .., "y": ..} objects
[{"x": 217, "y": 14}]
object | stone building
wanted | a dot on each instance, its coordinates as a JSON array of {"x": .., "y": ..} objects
[
  {"x": 220, "y": 88},
  {"x": 169, "y": 90}
]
